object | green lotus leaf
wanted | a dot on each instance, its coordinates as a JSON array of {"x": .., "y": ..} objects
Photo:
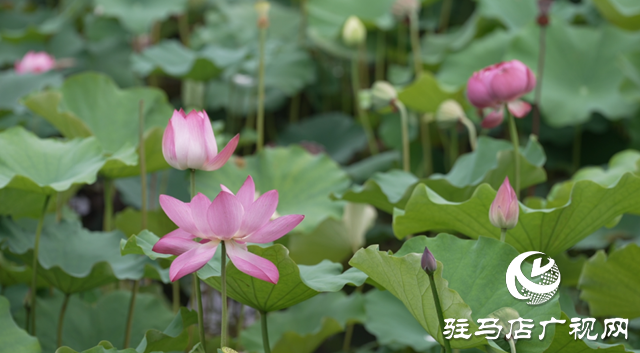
[
  {"x": 333, "y": 240},
  {"x": 91, "y": 104},
  {"x": 74, "y": 259},
  {"x": 622, "y": 13},
  {"x": 514, "y": 15},
  {"x": 46, "y": 165},
  {"x": 608, "y": 283},
  {"x": 304, "y": 182},
  {"x": 625, "y": 232},
  {"x": 141, "y": 244},
  {"x": 549, "y": 230},
  {"x": 302, "y": 328},
  {"x": 570, "y": 267},
  {"x": 138, "y": 16},
  {"x": 12, "y": 337},
  {"x": 436, "y": 46},
  {"x": 129, "y": 222},
  {"x": 16, "y": 86},
  {"x": 326, "y": 17},
  {"x": 489, "y": 163},
  {"x": 392, "y": 324},
  {"x": 296, "y": 284},
  {"x": 465, "y": 262},
  {"x": 86, "y": 324},
  {"x": 563, "y": 342},
  {"x": 339, "y": 135},
  {"x": 102, "y": 347},
  {"x": 172, "y": 58},
  {"x": 405, "y": 279},
  {"x": 426, "y": 94},
  {"x": 174, "y": 338},
  {"x": 13, "y": 274}
]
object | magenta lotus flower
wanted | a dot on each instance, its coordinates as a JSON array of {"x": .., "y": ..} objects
[
  {"x": 500, "y": 84},
  {"x": 234, "y": 219},
  {"x": 35, "y": 62},
  {"x": 504, "y": 209},
  {"x": 189, "y": 143}
]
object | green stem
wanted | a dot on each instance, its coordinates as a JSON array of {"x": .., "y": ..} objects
[
  {"x": 346, "y": 344},
  {"x": 34, "y": 267},
  {"x": 445, "y": 147},
  {"x": 175, "y": 286},
  {"x": 59, "y": 204},
  {"x": 512, "y": 345},
  {"x": 260, "y": 143},
  {"x": 516, "y": 149},
  {"x": 542, "y": 49},
  {"x": 63, "y": 310},
  {"x": 380, "y": 51},
  {"x": 132, "y": 305},
  {"x": 406, "y": 158},
  {"x": 425, "y": 137},
  {"x": 108, "y": 205},
  {"x": 364, "y": 119},
  {"x": 503, "y": 234},
  {"x": 240, "y": 325},
  {"x": 577, "y": 146},
  {"x": 143, "y": 167},
  {"x": 415, "y": 42},
  {"x": 454, "y": 146},
  {"x": 196, "y": 280},
  {"x": 183, "y": 28},
  {"x": 402, "y": 44},
  {"x": 223, "y": 291},
  {"x": 436, "y": 299},
  {"x": 445, "y": 14},
  {"x": 265, "y": 332},
  {"x": 473, "y": 134}
]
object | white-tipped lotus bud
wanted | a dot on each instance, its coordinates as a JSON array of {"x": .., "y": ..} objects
[
  {"x": 449, "y": 111},
  {"x": 354, "y": 32},
  {"x": 383, "y": 94},
  {"x": 402, "y": 9},
  {"x": 262, "y": 8}
]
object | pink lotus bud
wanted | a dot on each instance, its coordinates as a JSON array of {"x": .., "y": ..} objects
[
  {"x": 504, "y": 209},
  {"x": 428, "y": 262},
  {"x": 34, "y": 62},
  {"x": 500, "y": 84},
  {"x": 189, "y": 143}
]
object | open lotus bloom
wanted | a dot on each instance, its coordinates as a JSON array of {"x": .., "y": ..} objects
[
  {"x": 498, "y": 85},
  {"x": 35, "y": 62},
  {"x": 189, "y": 143},
  {"x": 504, "y": 209},
  {"x": 234, "y": 219}
]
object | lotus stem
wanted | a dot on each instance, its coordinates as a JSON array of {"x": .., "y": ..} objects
[
  {"x": 364, "y": 119},
  {"x": 34, "y": 266},
  {"x": 348, "y": 335},
  {"x": 63, "y": 310},
  {"x": 240, "y": 324},
  {"x": 380, "y": 51},
  {"x": 454, "y": 146},
  {"x": 59, "y": 204},
  {"x": 436, "y": 299},
  {"x": 196, "y": 280},
  {"x": 473, "y": 134},
  {"x": 402, "y": 45},
  {"x": 415, "y": 42},
  {"x": 223, "y": 291},
  {"x": 516, "y": 149},
  {"x": 183, "y": 28},
  {"x": 425, "y": 137},
  {"x": 503, "y": 234},
  {"x": 107, "y": 218},
  {"x": 512, "y": 345},
  {"x": 406, "y": 158},
  {"x": 260, "y": 127},
  {"x": 577, "y": 145},
  {"x": 265, "y": 332},
  {"x": 132, "y": 305},
  {"x": 542, "y": 50},
  {"x": 445, "y": 14}
]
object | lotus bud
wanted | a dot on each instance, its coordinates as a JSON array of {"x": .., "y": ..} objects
[
  {"x": 504, "y": 209},
  {"x": 35, "y": 62},
  {"x": 449, "y": 111},
  {"x": 354, "y": 33},
  {"x": 262, "y": 7},
  {"x": 428, "y": 262},
  {"x": 402, "y": 9},
  {"x": 383, "y": 94},
  {"x": 543, "y": 12}
]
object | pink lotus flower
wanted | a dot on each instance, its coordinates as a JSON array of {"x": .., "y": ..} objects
[
  {"x": 504, "y": 209},
  {"x": 189, "y": 143},
  {"x": 35, "y": 62},
  {"x": 234, "y": 219},
  {"x": 500, "y": 84}
]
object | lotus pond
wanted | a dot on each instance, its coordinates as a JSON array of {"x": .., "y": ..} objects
[{"x": 331, "y": 176}]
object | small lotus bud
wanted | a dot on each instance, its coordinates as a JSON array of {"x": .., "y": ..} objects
[
  {"x": 428, "y": 262},
  {"x": 543, "y": 12},
  {"x": 401, "y": 9},
  {"x": 450, "y": 111},
  {"x": 382, "y": 94},
  {"x": 262, "y": 8},
  {"x": 354, "y": 33},
  {"x": 504, "y": 209}
]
